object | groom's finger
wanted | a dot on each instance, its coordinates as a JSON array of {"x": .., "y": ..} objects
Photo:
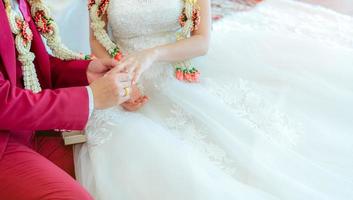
[{"x": 109, "y": 62}]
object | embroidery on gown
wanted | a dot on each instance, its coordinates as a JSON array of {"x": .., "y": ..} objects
[
  {"x": 247, "y": 101},
  {"x": 157, "y": 73},
  {"x": 221, "y": 8},
  {"x": 335, "y": 29},
  {"x": 97, "y": 129},
  {"x": 185, "y": 128}
]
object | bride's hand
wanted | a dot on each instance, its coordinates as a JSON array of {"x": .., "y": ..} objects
[
  {"x": 136, "y": 101},
  {"x": 136, "y": 63}
]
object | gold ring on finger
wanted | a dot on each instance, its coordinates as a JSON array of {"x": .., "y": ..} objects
[{"x": 127, "y": 91}]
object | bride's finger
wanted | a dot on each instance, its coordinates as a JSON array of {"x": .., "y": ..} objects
[
  {"x": 123, "y": 99},
  {"x": 123, "y": 77},
  {"x": 124, "y": 66},
  {"x": 133, "y": 107},
  {"x": 121, "y": 67},
  {"x": 142, "y": 99},
  {"x": 145, "y": 99},
  {"x": 136, "y": 76},
  {"x": 132, "y": 68},
  {"x": 134, "y": 65}
]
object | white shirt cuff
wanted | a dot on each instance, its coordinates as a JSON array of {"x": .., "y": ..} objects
[{"x": 90, "y": 100}]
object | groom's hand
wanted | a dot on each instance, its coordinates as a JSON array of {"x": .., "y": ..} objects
[
  {"x": 98, "y": 67},
  {"x": 110, "y": 90}
]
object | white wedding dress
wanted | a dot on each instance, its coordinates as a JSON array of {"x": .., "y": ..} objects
[{"x": 270, "y": 119}]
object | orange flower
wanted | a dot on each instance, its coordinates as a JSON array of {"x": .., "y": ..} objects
[
  {"x": 44, "y": 24},
  {"x": 179, "y": 74},
  {"x": 187, "y": 76},
  {"x": 118, "y": 56}
]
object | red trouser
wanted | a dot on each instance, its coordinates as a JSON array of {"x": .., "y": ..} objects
[{"x": 39, "y": 173}]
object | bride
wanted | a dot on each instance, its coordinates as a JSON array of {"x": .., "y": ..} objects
[{"x": 269, "y": 118}]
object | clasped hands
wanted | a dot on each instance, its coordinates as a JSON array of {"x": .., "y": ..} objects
[{"x": 114, "y": 83}]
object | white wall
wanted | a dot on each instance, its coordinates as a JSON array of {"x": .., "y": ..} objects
[{"x": 72, "y": 18}]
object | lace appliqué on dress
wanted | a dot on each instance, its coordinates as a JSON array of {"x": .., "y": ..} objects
[
  {"x": 248, "y": 101},
  {"x": 98, "y": 129},
  {"x": 185, "y": 128}
]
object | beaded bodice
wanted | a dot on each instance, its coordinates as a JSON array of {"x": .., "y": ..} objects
[{"x": 141, "y": 24}]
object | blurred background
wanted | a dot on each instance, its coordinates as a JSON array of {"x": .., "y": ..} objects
[{"x": 343, "y": 6}]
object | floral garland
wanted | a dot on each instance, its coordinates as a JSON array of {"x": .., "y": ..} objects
[
  {"x": 97, "y": 9},
  {"x": 189, "y": 21},
  {"x": 24, "y": 37},
  {"x": 23, "y": 41}
]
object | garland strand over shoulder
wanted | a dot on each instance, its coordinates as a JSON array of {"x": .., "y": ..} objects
[
  {"x": 50, "y": 31},
  {"x": 23, "y": 41},
  {"x": 97, "y": 10}
]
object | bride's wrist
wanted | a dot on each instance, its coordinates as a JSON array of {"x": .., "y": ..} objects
[{"x": 155, "y": 54}]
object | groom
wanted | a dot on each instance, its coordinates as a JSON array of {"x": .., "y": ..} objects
[{"x": 39, "y": 167}]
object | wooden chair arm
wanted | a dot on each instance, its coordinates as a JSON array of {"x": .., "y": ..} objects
[{"x": 74, "y": 137}]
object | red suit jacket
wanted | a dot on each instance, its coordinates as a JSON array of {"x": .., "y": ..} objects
[{"x": 63, "y": 103}]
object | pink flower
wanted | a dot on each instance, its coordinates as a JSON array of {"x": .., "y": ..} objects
[
  {"x": 91, "y": 3},
  {"x": 102, "y": 7},
  {"x": 25, "y": 31}
]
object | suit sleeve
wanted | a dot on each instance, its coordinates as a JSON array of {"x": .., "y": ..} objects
[
  {"x": 69, "y": 73},
  {"x": 21, "y": 109}
]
